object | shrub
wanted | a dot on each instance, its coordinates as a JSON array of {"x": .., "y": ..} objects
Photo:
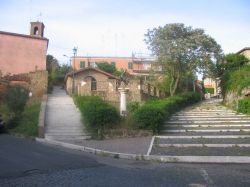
[
  {"x": 244, "y": 106},
  {"x": 209, "y": 90},
  {"x": 133, "y": 106},
  {"x": 97, "y": 114},
  {"x": 150, "y": 117},
  {"x": 16, "y": 99},
  {"x": 236, "y": 80},
  {"x": 153, "y": 113}
]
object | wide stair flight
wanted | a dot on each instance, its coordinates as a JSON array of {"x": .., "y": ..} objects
[
  {"x": 205, "y": 129},
  {"x": 63, "y": 119}
]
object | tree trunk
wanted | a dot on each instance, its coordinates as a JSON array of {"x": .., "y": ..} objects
[
  {"x": 174, "y": 84},
  {"x": 171, "y": 85}
]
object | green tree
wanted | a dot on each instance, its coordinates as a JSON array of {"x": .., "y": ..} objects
[
  {"x": 182, "y": 50},
  {"x": 233, "y": 61},
  {"x": 52, "y": 64},
  {"x": 105, "y": 66}
]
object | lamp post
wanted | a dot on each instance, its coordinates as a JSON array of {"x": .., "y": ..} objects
[{"x": 74, "y": 52}]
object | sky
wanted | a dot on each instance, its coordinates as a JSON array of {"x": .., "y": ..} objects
[{"x": 117, "y": 27}]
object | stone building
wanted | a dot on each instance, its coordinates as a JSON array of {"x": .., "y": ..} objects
[
  {"x": 245, "y": 51},
  {"x": 93, "y": 81},
  {"x": 23, "y": 57}
]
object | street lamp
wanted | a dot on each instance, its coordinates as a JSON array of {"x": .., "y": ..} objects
[{"x": 74, "y": 52}]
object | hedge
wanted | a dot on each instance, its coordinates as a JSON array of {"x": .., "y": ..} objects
[
  {"x": 153, "y": 113},
  {"x": 209, "y": 90},
  {"x": 244, "y": 106},
  {"x": 97, "y": 114},
  {"x": 236, "y": 80}
]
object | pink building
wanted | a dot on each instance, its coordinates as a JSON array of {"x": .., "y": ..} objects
[
  {"x": 23, "y": 57},
  {"x": 23, "y": 53}
]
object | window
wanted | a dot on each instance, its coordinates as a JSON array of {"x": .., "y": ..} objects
[
  {"x": 35, "y": 31},
  {"x": 130, "y": 65},
  {"x": 82, "y": 64},
  {"x": 113, "y": 64},
  {"x": 93, "y": 84}
]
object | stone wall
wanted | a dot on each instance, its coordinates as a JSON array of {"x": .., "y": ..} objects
[
  {"x": 36, "y": 82},
  {"x": 231, "y": 98}
]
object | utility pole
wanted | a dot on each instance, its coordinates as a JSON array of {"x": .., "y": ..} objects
[{"x": 74, "y": 52}]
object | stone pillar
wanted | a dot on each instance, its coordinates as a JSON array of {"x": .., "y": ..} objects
[{"x": 123, "y": 101}]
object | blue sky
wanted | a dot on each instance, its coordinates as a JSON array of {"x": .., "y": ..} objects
[{"x": 117, "y": 27}]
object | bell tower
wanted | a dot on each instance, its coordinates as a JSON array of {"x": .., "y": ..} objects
[{"x": 37, "y": 29}]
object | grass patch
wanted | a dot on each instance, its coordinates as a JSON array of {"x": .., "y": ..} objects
[{"x": 27, "y": 124}]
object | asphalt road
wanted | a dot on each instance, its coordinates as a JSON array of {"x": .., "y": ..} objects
[{"x": 24, "y": 162}]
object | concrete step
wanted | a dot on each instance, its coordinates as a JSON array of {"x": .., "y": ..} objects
[
  {"x": 204, "y": 130},
  {"x": 203, "y": 136},
  {"x": 203, "y": 140},
  {"x": 189, "y": 133},
  {"x": 169, "y": 127},
  {"x": 61, "y": 124},
  {"x": 210, "y": 118},
  {"x": 206, "y": 113},
  {"x": 65, "y": 133},
  {"x": 209, "y": 121},
  {"x": 65, "y": 127},
  {"x": 238, "y": 125},
  {"x": 202, "y": 145},
  {"x": 67, "y": 137},
  {"x": 215, "y": 115},
  {"x": 201, "y": 151}
]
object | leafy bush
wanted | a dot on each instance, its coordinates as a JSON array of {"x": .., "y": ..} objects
[
  {"x": 133, "y": 106},
  {"x": 234, "y": 61},
  {"x": 244, "y": 106},
  {"x": 209, "y": 90},
  {"x": 16, "y": 99},
  {"x": 236, "y": 80},
  {"x": 153, "y": 113},
  {"x": 150, "y": 117},
  {"x": 97, "y": 114}
]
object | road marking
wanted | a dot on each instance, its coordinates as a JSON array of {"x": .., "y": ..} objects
[
  {"x": 206, "y": 177},
  {"x": 151, "y": 145}
]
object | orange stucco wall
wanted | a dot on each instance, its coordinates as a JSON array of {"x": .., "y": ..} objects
[
  {"x": 22, "y": 54},
  {"x": 120, "y": 62}
]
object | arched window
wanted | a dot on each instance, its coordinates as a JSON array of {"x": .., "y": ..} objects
[
  {"x": 93, "y": 82},
  {"x": 36, "y": 31}
]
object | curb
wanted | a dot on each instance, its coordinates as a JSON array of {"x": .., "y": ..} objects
[{"x": 174, "y": 159}]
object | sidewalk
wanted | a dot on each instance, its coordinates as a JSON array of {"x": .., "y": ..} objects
[{"x": 122, "y": 145}]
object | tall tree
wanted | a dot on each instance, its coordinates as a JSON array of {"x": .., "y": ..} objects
[
  {"x": 105, "y": 66},
  {"x": 51, "y": 64},
  {"x": 182, "y": 49}
]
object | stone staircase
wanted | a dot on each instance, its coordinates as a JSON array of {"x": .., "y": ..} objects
[
  {"x": 63, "y": 119},
  {"x": 206, "y": 129}
]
